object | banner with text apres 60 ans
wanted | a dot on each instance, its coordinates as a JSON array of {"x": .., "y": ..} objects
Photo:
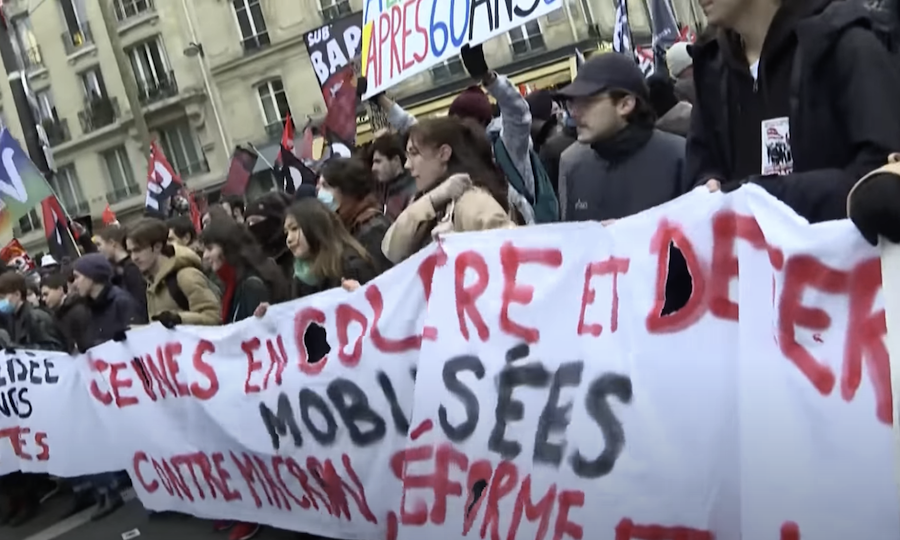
[
  {"x": 513, "y": 385},
  {"x": 402, "y": 38}
]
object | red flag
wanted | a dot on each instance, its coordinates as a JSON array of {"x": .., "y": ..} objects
[
  {"x": 60, "y": 239},
  {"x": 14, "y": 255},
  {"x": 340, "y": 120},
  {"x": 242, "y": 163},
  {"x": 195, "y": 210},
  {"x": 287, "y": 138},
  {"x": 162, "y": 181},
  {"x": 109, "y": 217}
]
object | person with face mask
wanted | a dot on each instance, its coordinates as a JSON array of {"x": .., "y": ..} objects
[
  {"x": 347, "y": 187},
  {"x": 621, "y": 164},
  {"x": 265, "y": 219}
]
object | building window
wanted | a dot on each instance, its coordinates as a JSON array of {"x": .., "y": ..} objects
[
  {"x": 527, "y": 38},
  {"x": 556, "y": 16},
  {"x": 78, "y": 31},
  {"x": 182, "y": 150},
  {"x": 30, "y": 222},
  {"x": 93, "y": 85},
  {"x": 251, "y": 23},
  {"x": 46, "y": 108},
  {"x": 126, "y": 9},
  {"x": 155, "y": 79},
  {"x": 121, "y": 175},
  {"x": 335, "y": 9},
  {"x": 448, "y": 70},
  {"x": 67, "y": 188},
  {"x": 26, "y": 45},
  {"x": 274, "y": 104}
]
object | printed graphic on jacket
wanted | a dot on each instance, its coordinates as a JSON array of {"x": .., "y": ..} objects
[{"x": 777, "y": 157}]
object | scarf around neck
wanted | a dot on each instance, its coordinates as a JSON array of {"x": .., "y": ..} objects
[{"x": 623, "y": 144}]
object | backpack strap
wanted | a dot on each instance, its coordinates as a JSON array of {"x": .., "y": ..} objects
[
  {"x": 175, "y": 291},
  {"x": 513, "y": 176}
]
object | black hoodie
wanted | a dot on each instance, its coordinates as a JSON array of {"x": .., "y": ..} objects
[{"x": 824, "y": 69}]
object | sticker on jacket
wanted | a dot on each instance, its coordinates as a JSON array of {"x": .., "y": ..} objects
[{"x": 777, "y": 157}]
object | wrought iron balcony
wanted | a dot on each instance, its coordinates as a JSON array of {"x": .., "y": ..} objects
[
  {"x": 98, "y": 113},
  {"x": 57, "y": 130},
  {"x": 77, "y": 38},
  {"x": 157, "y": 90}
]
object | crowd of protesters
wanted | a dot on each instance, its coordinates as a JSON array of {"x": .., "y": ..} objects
[{"x": 811, "y": 74}]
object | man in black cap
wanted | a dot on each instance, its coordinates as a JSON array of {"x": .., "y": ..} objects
[
  {"x": 621, "y": 164},
  {"x": 112, "y": 309}
]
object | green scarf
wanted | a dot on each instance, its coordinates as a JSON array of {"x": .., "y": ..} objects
[{"x": 303, "y": 272}]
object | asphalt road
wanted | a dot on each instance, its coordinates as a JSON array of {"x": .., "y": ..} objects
[{"x": 48, "y": 526}]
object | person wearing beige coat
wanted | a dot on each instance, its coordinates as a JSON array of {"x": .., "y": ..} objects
[
  {"x": 466, "y": 208},
  {"x": 459, "y": 187}
]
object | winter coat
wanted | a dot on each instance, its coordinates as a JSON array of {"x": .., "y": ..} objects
[
  {"x": 72, "y": 318},
  {"x": 204, "y": 305},
  {"x": 353, "y": 267},
  {"x": 112, "y": 312},
  {"x": 395, "y": 196},
  {"x": 129, "y": 278},
  {"x": 368, "y": 225},
  {"x": 824, "y": 70},
  {"x": 475, "y": 210},
  {"x": 32, "y": 328},
  {"x": 552, "y": 150},
  {"x": 677, "y": 121},
  {"x": 248, "y": 292}
]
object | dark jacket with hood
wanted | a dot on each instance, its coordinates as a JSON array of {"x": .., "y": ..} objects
[
  {"x": 73, "y": 317},
  {"x": 824, "y": 69},
  {"x": 129, "y": 278},
  {"x": 112, "y": 312}
]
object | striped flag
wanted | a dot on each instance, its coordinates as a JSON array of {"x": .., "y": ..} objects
[{"x": 622, "y": 42}]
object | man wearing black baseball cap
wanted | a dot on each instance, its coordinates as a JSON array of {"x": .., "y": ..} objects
[{"x": 620, "y": 165}]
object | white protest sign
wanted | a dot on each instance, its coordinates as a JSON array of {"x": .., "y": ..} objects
[
  {"x": 402, "y": 38},
  {"x": 551, "y": 398}
]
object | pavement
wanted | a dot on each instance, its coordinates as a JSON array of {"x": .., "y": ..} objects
[{"x": 48, "y": 526}]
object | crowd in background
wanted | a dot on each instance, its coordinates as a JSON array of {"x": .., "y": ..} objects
[{"x": 607, "y": 146}]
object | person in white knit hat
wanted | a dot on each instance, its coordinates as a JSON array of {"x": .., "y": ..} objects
[{"x": 679, "y": 62}]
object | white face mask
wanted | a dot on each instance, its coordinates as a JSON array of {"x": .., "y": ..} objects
[{"x": 327, "y": 198}]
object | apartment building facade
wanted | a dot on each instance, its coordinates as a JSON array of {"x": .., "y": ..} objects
[{"x": 212, "y": 74}]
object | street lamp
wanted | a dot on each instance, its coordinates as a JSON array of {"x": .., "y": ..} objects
[{"x": 193, "y": 50}]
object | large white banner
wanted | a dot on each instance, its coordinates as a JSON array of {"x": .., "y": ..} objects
[
  {"x": 402, "y": 38},
  {"x": 514, "y": 384}
]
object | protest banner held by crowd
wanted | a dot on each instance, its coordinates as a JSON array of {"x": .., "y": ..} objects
[{"x": 446, "y": 400}]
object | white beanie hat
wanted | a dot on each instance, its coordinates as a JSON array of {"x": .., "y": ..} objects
[{"x": 678, "y": 59}]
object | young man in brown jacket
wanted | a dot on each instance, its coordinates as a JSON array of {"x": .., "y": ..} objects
[{"x": 178, "y": 292}]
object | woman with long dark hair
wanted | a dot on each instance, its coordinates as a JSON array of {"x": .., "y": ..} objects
[
  {"x": 459, "y": 188},
  {"x": 248, "y": 277},
  {"x": 325, "y": 254}
]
